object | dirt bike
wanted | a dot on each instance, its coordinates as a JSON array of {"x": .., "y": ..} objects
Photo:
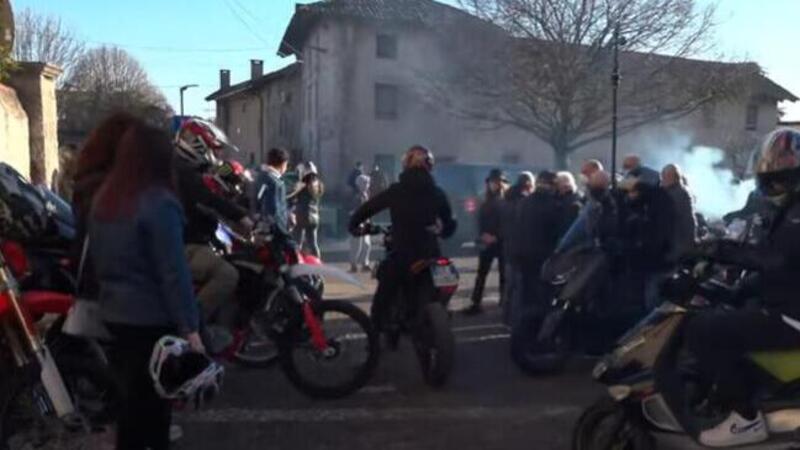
[
  {"x": 422, "y": 314},
  {"x": 279, "y": 305},
  {"x": 656, "y": 397}
]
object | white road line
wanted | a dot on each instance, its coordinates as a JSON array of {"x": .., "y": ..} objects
[
  {"x": 237, "y": 415},
  {"x": 489, "y": 337},
  {"x": 491, "y": 326}
]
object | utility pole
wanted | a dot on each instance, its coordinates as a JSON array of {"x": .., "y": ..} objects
[
  {"x": 183, "y": 89},
  {"x": 615, "y": 77}
]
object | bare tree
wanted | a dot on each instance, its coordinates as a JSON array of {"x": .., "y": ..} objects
[
  {"x": 544, "y": 66},
  {"x": 106, "y": 80},
  {"x": 44, "y": 38}
]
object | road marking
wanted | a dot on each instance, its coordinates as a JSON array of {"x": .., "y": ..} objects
[
  {"x": 239, "y": 415},
  {"x": 378, "y": 389},
  {"x": 488, "y": 337},
  {"x": 490, "y": 326}
]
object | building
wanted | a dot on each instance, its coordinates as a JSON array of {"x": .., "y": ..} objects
[
  {"x": 356, "y": 96},
  {"x": 28, "y": 117}
]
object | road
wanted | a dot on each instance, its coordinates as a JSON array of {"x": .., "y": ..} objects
[{"x": 488, "y": 404}]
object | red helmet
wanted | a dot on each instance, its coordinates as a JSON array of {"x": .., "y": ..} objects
[
  {"x": 200, "y": 141},
  {"x": 418, "y": 156}
]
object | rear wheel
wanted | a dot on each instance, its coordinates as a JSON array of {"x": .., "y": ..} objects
[
  {"x": 607, "y": 425},
  {"x": 349, "y": 360},
  {"x": 435, "y": 344}
]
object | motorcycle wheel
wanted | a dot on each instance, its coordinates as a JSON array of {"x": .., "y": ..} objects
[
  {"x": 256, "y": 350},
  {"x": 607, "y": 425},
  {"x": 435, "y": 344},
  {"x": 340, "y": 372}
]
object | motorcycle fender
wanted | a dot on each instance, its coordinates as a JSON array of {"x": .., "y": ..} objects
[{"x": 326, "y": 271}]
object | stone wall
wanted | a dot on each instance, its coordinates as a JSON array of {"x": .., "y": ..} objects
[
  {"x": 35, "y": 84},
  {"x": 14, "y": 145}
]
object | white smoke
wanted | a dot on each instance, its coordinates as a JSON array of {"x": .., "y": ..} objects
[{"x": 716, "y": 189}]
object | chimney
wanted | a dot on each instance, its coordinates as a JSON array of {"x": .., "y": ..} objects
[
  {"x": 224, "y": 79},
  {"x": 256, "y": 68}
]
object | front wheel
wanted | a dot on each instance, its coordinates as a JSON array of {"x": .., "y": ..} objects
[
  {"x": 608, "y": 425},
  {"x": 345, "y": 365},
  {"x": 435, "y": 344}
]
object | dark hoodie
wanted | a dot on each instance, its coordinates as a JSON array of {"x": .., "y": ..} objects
[{"x": 414, "y": 203}]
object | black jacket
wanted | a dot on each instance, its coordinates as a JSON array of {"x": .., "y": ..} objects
[
  {"x": 777, "y": 258},
  {"x": 198, "y": 201},
  {"x": 537, "y": 230},
  {"x": 570, "y": 205},
  {"x": 414, "y": 203},
  {"x": 490, "y": 216},
  {"x": 649, "y": 228}
]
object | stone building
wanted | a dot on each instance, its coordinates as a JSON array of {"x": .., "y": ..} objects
[
  {"x": 356, "y": 95},
  {"x": 28, "y": 116}
]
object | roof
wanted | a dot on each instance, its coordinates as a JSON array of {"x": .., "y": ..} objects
[
  {"x": 422, "y": 12},
  {"x": 252, "y": 85}
]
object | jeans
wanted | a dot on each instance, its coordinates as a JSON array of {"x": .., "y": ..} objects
[
  {"x": 216, "y": 278},
  {"x": 720, "y": 340},
  {"x": 360, "y": 248},
  {"x": 144, "y": 417},
  {"x": 308, "y": 236},
  {"x": 485, "y": 260}
]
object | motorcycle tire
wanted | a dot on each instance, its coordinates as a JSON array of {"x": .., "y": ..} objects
[
  {"x": 607, "y": 424},
  {"x": 435, "y": 345},
  {"x": 299, "y": 341}
]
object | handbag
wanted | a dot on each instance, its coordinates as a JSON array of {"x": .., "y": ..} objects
[{"x": 84, "y": 318}]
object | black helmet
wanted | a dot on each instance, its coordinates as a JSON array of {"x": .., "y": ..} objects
[{"x": 778, "y": 158}]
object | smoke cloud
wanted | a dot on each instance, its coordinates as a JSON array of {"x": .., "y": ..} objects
[{"x": 716, "y": 190}]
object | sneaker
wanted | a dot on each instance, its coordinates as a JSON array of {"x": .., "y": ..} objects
[
  {"x": 353, "y": 268},
  {"x": 175, "y": 433},
  {"x": 736, "y": 430},
  {"x": 473, "y": 310},
  {"x": 217, "y": 339}
]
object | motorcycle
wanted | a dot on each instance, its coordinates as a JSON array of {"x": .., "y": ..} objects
[
  {"x": 423, "y": 314},
  {"x": 279, "y": 304},
  {"x": 655, "y": 395}
]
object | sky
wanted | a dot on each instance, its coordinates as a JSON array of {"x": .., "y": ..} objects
[{"x": 183, "y": 42}]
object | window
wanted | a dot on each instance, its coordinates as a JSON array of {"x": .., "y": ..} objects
[
  {"x": 512, "y": 158},
  {"x": 386, "y": 46},
  {"x": 386, "y": 99},
  {"x": 751, "y": 121}
]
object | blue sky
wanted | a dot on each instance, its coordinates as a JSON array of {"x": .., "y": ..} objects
[{"x": 188, "y": 41}]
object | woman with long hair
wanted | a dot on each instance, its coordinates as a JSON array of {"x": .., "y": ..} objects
[
  {"x": 136, "y": 229},
  {"x": 306, "y": 209}
]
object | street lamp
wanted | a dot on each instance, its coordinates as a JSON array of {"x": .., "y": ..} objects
[
  {"x": 183, "y": 89},
  {"x": 615, "y": 77}
]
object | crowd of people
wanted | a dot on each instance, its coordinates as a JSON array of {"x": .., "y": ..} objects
[
  {"x": 645, "y": 224},
  {"x": 151, "y": 267}
]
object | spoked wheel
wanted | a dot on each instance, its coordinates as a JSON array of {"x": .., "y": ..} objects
[
  {"x": 435, "y": 344},
  {"x": 606, "y": 425},
  {"x": 345, "y": 365}
]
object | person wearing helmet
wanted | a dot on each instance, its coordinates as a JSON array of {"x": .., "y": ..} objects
[
  {"x": 306, "y": 199},
  {"x": 420, "y": 214},
  {"x": 721, "y": 339},
  {"x": 200, "y": 146}
]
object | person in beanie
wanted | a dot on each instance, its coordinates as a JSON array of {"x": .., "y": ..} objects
[{"x": 489, "y": 221}]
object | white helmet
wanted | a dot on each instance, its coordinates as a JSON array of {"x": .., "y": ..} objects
[
  {"x": 201, "y": 142},
  {"x": 305, "y": 169},
  {"x": 179, "y": 373}
]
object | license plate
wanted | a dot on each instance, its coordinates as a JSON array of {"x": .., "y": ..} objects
[{"x": 444, "y": 276}]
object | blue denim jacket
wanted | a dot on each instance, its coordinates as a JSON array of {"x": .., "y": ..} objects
[
  {"x": 141, "y": 266},
  {"x": 271, "y": 198}
]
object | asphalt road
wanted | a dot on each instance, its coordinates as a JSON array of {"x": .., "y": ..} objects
[{"x": 488, "y": 404}]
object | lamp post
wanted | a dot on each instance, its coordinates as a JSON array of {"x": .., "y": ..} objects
[
  {"x": 615, "y": 77},
  {"x": 183, "y": 89}
]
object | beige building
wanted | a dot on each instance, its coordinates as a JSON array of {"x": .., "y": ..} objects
[
  {"x": 356, "y": 95},
  {"x": 28, "y": 117}
]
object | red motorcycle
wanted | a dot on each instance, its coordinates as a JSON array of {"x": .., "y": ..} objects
[{"x": 327, "y": 348}]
